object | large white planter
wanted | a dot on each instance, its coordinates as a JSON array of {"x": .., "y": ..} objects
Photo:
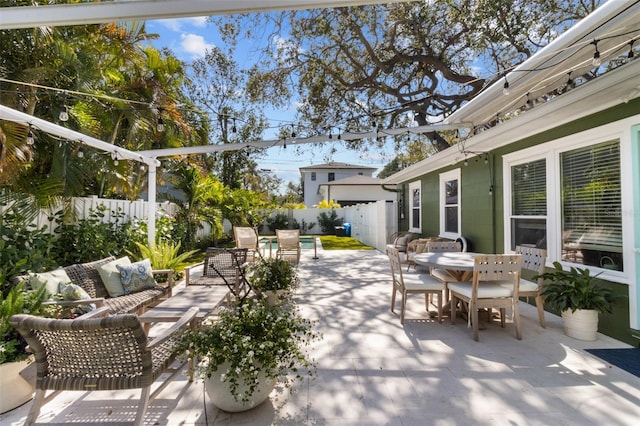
[
  {"x": 15, "y": 390},
  {"x": 581, "y": 324},
  {"x": 220, "y": 393}
]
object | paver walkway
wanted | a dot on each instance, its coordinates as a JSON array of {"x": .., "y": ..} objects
[{"x": 373, "y": 371}]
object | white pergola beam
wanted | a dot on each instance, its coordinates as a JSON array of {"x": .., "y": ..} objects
[{"x": 145, "y": 10}]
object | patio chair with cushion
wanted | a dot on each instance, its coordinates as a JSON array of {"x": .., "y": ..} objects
[
  {"x": 411, "y": 284},
  {"x": 495, "y": 284},
  {"x": 93, "y": 353},
  {"x": 246, "y": 237},
  {"x": 533, "y": 260},
  {"x": 288, "y": 244}
]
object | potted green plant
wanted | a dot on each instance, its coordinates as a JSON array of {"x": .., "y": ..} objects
[
  {"x": 248, "y": 349},
  {"x": 579, "y": 299},
  {"x": 13, "y": 354},
  {"x": 273, "y": 278}
]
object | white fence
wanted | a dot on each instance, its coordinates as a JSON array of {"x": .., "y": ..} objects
[{"x": 371, "y": 223}]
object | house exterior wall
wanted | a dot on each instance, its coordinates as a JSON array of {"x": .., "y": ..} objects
[
  {"x": 356, "y": 193},
  {"x": 483, "y": 214},
  {"x": 311, "y": 195}
]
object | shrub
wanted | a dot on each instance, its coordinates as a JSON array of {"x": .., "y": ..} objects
[
  {"x": 328, "y": 221},
  {"x": 278, "y": 221}
]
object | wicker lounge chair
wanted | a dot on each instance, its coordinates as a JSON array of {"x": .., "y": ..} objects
[{"x": 90, "y": 353}]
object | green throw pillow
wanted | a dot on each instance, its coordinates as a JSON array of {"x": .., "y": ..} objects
[
  {"x": 137, "y": 276},
  {"x": 71, "y": 291},
  {"x": 49, "y": 280},
  {"x": 110, "y": 276}
]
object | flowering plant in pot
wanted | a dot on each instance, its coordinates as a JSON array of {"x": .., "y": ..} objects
[
  {"x": 575, "y": 294},
  {"x": 249, "y": 349},
  {"x": 273, "y": 277}
]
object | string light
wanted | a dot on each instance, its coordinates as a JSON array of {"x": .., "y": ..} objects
[
  {"x": 234, "y": 129},
  {"x": 293, "y": 132},
  {"x": 505, "y": 88},
  {"x": 160, "y": 125},
  {"x": 630, "y": 54},
  {"x": 114, "y": 157},
  {"x": 596, "y": 61},
  {"x": 30, "y": 139},
  {"x": 64, "y": 114},
  {"x": 80, "y": 152}
]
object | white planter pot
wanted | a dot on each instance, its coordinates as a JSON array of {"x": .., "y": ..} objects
[
  {"x": 581, "y": 324},
  {"x": 275, "y": 296},
  {"x": 16, "y": 390},
  {"x": 220, "y": 393}
]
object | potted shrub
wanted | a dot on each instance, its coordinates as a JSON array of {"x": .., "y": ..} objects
[
  {"x": 575, "y": 294},
  {"x": 273, "y": 278},
  {"x": 13, "y": 355},
  {"x": 248, "y": 350}
]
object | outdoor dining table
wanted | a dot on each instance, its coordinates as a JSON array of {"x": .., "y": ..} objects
[{"x": 459, "y": 265}]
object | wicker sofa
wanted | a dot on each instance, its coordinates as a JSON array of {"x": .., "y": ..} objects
[{"x": 86, "y": 276}]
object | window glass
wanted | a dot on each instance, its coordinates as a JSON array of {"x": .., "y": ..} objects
[
  {"x": 451, "y": 206},
  {"x": 592, "y": 205},
  {"x": 313, "y": 176},
  {"x": 529, "y": 204},
  {"x": 415, "y": 205},
  {"x": 331, "y": 177}
]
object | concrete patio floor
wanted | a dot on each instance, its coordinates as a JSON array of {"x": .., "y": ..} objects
[{"x": 374, "y": 371}]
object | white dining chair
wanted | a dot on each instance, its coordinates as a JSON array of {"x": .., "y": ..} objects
[
  {"x": 407, "y": 284},
  {"x": 495, "y": 284}
]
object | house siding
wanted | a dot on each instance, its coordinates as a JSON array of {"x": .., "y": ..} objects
[{"x": 482, "y": 218}]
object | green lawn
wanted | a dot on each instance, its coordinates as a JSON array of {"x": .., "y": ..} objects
[{"x": 331, "y": 242}]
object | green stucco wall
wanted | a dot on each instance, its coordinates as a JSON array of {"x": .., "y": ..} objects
[{"x": 483, "y": 213}]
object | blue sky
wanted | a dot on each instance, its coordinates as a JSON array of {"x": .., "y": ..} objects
[{"x": 189, "y": 38}]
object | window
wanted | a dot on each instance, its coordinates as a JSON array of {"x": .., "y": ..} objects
[
  {"x": 450, "y": 204},
  {"x": 566, "y": 196},
  {"x": 415, "y": 203},
  {"x": 529, "y": 204},
  {"x": 331, "y": 177},
  {"x": 313, "y": 176},
  {"x": 592, "y": 206}
]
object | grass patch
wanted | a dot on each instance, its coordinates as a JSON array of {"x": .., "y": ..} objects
[{"x": 331, "y": 242}]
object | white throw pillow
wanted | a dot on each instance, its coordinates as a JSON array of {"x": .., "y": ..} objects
[
  {"x": 110, "y": 276},
  {"x": 49, "y": 280}
]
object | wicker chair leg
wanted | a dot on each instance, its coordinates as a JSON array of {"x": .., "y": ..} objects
[
  {"x": 36, "y": 405},
  {"x": 142, "y": 408}
]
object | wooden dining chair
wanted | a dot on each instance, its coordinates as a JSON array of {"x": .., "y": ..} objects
[
  {"x": 439, "y": 273},
  {"x": 533, "y": 260},
  {"x": 495, "y": 284},
  {"x": 411, "y": 284}
]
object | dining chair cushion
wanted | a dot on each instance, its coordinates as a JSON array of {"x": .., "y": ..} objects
[
  {"x": 528, "y": 286},
  {"x": 421, "y": 281},
  {"x": 492, "y": 290}
]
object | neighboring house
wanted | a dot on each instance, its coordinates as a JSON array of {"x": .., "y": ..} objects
[
  {"x": 564, "y": 175},
  {"x": 314, "y": 176},
  {"x": 356, "y": 190}
]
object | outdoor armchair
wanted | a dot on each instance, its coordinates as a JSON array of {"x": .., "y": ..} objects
[
  {"x": 248, "y": 238},
  {"x": 288, "y": 244},
  {"x": 99, "y": 353}
]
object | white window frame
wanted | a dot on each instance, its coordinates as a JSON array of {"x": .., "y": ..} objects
[
  {"x": 620, "y": 131},
  {"x": 413, "y": 186},
  {"x": 444, "y": 178}
]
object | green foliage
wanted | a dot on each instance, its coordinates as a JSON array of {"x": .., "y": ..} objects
[
  {"x": 273, "y": 273},
  {"x": 278, "y": 221},
  {"x": 330, "y": 204},
  {"x": 92, "y": 238},
  {"x": 165, "y": 255},
  {"x": 255, "y": 338},
  {"x": 303, "y": 226},
  {"x": 328, "y": 221},
  {"x": 575, "y": 289},
  {"x": 16, "y": 301}
]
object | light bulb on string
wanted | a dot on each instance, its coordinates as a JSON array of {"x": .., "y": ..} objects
[
  {"x": 234, "y": 129},
  {"x": 293, "y": 132},
  {"x": 64, "y": 114},
  {"x": 114, "y": 157},
  {"x": 596, "y": 61},
  {"x": 30, "y": 139},
  {"x": 630, "y": 54},
  {"x": 80, "y": 152},
  {"x": 160, "y": 125},
  {"x": 505, "y": 88}
]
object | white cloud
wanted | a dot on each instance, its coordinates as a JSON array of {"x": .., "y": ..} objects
[
  {"x": 178, "y": 24},
  {"x": 195, "y": 45}
]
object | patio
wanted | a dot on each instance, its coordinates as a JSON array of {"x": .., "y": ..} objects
[{"x": 373, "y": 371}]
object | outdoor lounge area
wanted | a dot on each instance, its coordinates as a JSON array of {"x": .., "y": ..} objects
[{"x": 374, "y": 371}]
